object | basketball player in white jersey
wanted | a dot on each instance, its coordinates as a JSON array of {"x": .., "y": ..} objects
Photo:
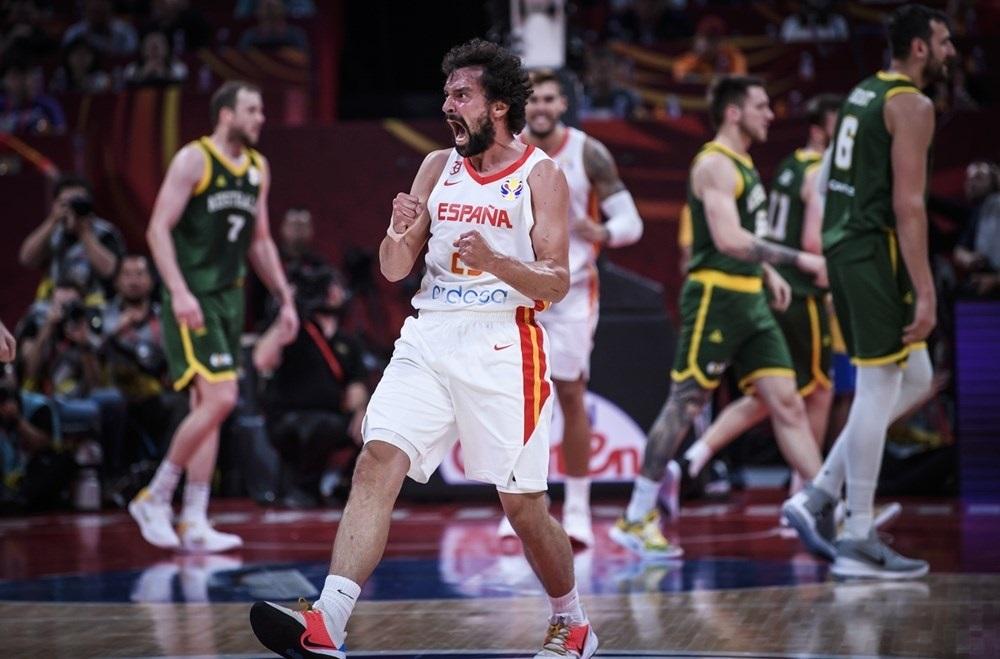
[
  {"x": 472, "y": 366},
  {"x": 594, "y": 186}
]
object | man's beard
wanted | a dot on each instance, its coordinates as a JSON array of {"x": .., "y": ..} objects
[
  {"x": 745, "y": 130},
  {"x": 479, "y": 140},
  {"x": 240, "y": 135},
  {"x": 935, "y": 71},
  {"x": 542, "y": 134}
]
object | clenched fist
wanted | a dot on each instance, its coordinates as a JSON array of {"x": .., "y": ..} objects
[
  {"x": 406, "y": 210},
  {"x": 475, "y": 252}
]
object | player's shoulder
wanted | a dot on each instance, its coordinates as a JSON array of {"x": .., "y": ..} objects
[
  {"x": 193, "y": 157},
  {"x": 436, "y": 160}
]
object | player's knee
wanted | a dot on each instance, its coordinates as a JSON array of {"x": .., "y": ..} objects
[
  {"x": 787, "y": 406},
  {"x": 221, "y": 397},
  {"x": 522, "y": 508},
  {"x": 379, "y": 462},
  {"x": 570, "y": 394}
]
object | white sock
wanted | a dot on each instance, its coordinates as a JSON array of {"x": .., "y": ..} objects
[
  {"x": 337, "y": 600},
  {"x": 164, "y": 482},
  {"x": 864, "y": 442},
  {"x": 698, "y": 455},
  {"x": 568, "y": 605},
  {"x": 917, "y": 378},
  {"x": 643, "y": 500},
  {"x": 577, "y": 493},
  {"x": 195, "y": 502}
]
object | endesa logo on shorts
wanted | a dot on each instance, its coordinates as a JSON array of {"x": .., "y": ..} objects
[
  {"x": 469, "y": 296},
  {"x": 473, "y": 214}
]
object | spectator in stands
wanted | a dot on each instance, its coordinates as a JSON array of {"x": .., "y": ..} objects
[
  {"x": 33, "y": 475},
  {"x": 73, "y": 243},
  {"x": 185, "y": 27},
  {"x": 273, "y": 30},
  {"x": 978, "y": 249},
  {"x": 605, "y": 94},
  {"x": 157, "y": 65},
  {"x": 814, "y": 21},
  {"x": 647, "y": 22},
  {"x": 60, "y": 359},
  {"x": 294, "y": 8},
  {"x": 23, "y": 106},
  {"x": 711, "y": 54},
  {"x": 316, "y": 396},
  {"x": 135, "y": 360},
  {"x": 108, "y": 35},
  {"x": 295, "y": 246},
  {"x": 80, "y": 70},
  {"x": 24, "y": 30},
  {"x": 8, "y": 345}
]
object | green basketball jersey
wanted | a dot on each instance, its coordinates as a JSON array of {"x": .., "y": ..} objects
[
  {"x": 751, "y": 202},
  {"x": 859, "y": 192},
  {"x": 214, "y": 232},
  {"x": 786, "y": 214}
]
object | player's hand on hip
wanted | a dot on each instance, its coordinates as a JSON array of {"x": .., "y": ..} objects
[
  {"x": 187, "y": 311},
  {"x": 406, "y": 210},
  {"x": 474, "y": 251},
  {"x": 924, "y": 320},
  {"x": 289, "y": 319}
]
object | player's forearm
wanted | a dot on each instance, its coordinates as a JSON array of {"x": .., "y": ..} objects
[
  {"x": 540, "y": 280},
  {"x": 396, "y": 259},
  {"x": 267, "y": 264},
  {"x": 161, "y": 246},
  {"x": 745, "y": 246},
  {"x": 624, "y": 226},
  {"x": 911, "y": 228},
  {"x": 268, "y": 351}
]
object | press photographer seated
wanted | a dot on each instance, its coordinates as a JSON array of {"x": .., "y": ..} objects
[{"x": 315, "y": 396}]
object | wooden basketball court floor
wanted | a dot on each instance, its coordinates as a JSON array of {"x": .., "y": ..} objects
[{"x": 85, "y": 585}]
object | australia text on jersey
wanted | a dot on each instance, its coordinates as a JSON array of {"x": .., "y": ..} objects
[{"x": 232, "y": 200}]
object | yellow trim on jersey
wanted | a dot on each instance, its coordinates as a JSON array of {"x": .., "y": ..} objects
[
  {"x": 685, "y": 233},
  {"x": 807, "y": 155},
  {"x": 813, "y": 166},
  {"x": 197, "y": 368},
  {"x": 815, "y": 365},
  {"x": 745, "y": 383},
  {"x": 206, "y": 175},
  {"x": 889, "y": 76},
  {"x": 745, "y": 160},
  {"x": 738, "y": 283},
  {"x": 895, "y": 357},
  {"x": 699, "y": 327},
  {"x": 234, "y": 169},
  {"x": 715, "y": 147},
  {"x": 895, "y": 91}
]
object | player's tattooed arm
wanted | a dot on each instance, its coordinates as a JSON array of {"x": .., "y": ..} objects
[
  {"x": 623, "y": 226},
  {"x": 764, "y": 251},
  {"x": 685, "y": 402}
]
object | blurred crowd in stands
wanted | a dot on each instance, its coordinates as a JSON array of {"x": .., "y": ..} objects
[{"x": 87, "y": 408}]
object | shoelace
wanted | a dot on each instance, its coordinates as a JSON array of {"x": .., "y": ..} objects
[{"x": 555, "y": 637}]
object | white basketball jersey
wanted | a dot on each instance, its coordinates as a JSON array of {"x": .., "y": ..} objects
[
  {"x": 498, "y": 206},
  {"x": 581, "y": 300}
]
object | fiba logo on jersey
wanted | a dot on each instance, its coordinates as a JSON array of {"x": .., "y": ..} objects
[
  {"x": 253, "y": 175},
  {"x": 511, "y": 188}
]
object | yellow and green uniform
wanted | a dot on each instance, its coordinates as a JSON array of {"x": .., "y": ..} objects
[
  {"x": 872, "y": 292},
  {"x": 805, "y": 324},
  {"x": 725, "y": 318},
  {"x": 211, "y": 241}
]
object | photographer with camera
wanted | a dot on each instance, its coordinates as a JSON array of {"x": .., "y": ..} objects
[
  {"x": 60, "y": 358},
  {"x": 34, "y": 475},
  {"x": 316, "y": 395},
  {"x": 73, "y": 242}
]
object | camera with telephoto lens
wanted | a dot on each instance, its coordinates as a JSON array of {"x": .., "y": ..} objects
[{"x": 82, "y": 205}]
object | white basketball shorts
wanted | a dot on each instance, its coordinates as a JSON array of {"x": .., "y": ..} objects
[
  {"x": 480, "y": 378},
  {"x": 570, "y": 325}
]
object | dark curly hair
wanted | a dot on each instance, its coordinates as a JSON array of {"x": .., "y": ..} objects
[{"x": 504, "y": 79}]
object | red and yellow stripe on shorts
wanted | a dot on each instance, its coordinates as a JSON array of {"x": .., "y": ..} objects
[{"x": 533, "y": 367}]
